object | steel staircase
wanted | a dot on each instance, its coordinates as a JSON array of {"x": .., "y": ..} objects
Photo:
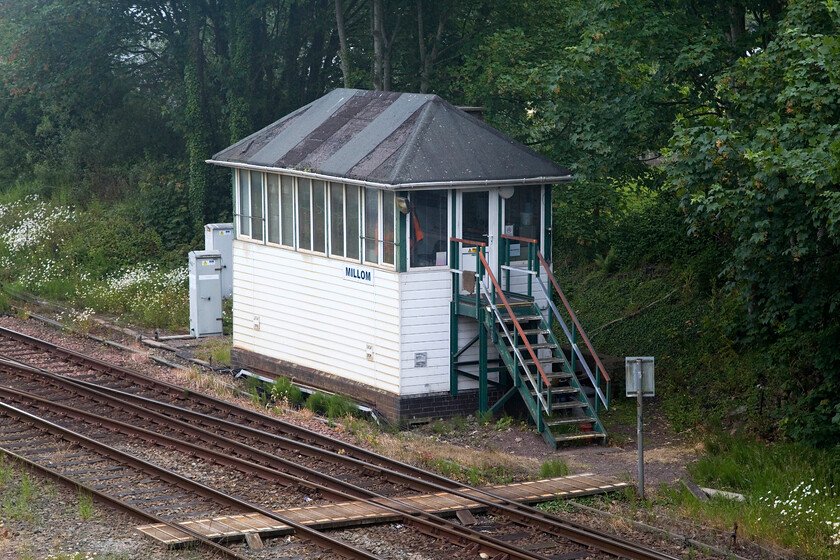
[
  {"x": 562, "y": 393},
  {"x": 568, "y": 414}
]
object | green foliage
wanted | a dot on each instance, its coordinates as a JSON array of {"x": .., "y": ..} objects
[
  {"x": 365, "y": 431},
  {"x": 86, "y": 509},
  {"x": 333, "y": 406},
  {"x": 160, "y": 202},
  {"x": 553, "y": 468},
  {"x": 763, "y": 171},
  {"x": 89, "y": 258},
  {"x": 504, "y": 423},
  {"x": 792, "y": 492},
  {"x": 474, "y": 475},
  {"x": 19, "y": 495},
  {"x": 216, "y": 352},
  {"x": 440, "y": 427},
  {"x": 483, "y": 418},
  {"x": 284, "y": 390},
  {"x": 257, "y": 391},
  {"x": 459, "y": 423}
]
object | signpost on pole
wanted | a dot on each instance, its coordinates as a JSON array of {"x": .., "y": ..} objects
[{"x": 639, "y": 383}]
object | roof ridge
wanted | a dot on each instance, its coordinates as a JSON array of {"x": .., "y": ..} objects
[{"x": 420, "y": 127}]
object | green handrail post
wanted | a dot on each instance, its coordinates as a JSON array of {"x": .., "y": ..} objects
[
  {"x": 455, "y": 252},
  {"x": 482, "y": 362}
]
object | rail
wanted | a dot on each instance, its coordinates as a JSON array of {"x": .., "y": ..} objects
[
  {"x": 270, "y": 425},
  {"x": 535, "y": 256}
]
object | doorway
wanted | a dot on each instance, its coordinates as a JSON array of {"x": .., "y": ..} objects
[{"x": 477, "y": 221}]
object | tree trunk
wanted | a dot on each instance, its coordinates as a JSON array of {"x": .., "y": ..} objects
[
  {"x": 378, "y": 43},
  {"x": 198, "y": 125},
  {"x": 242, "y": 82},
  {"x": 428, "y": 57},
  {"x": 343, "y": 51}
]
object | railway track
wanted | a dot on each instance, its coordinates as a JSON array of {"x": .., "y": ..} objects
[
  {"x": 142, "y": 408},
  {"x": 126, "y": 482}
]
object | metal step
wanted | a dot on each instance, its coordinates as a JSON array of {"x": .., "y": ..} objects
[
  {"x": 543, "y": 361},
  {"x": 562, "y": 391},
  {"x": 535, "y": 346},
  {"x": 513, "y": 305},
  {"x": 522, "y": 318},
  {"x": 576, "y": 420},
  {"x": 553, "y": 376},
  {"x": 531, "y": 332},
  {"x": 573, "y": 437},
  {"x": 568, "y": 405}
]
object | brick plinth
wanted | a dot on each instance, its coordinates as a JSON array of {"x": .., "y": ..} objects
[{"x": 396, "y": 408}]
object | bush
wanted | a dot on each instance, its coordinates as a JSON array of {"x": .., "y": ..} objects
[
  {"x": 332, "y": 406},
  {"x": 284, "y": 390}
]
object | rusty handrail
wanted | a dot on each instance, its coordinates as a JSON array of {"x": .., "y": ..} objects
[
  {"x": 520, "y": 239},
  {"x": 512, "y": 316},
  {"x": 574, "y": 317},
  {"x": 468, "y": 242}
]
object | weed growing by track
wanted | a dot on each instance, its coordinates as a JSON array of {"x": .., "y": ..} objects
[
  {"x": 553, "y": 468},
  {"x": 86, "y": 509},
  {"x": 18, "y": 492},
  {"x": 217, "y": 352}
]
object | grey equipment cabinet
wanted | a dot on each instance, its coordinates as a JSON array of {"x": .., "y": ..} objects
[
  {"x": 205, "y": 293},
  {"x": 219, "y": 237}
]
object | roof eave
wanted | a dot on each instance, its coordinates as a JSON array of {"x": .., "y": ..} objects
[{"x": 523, "y": 181}]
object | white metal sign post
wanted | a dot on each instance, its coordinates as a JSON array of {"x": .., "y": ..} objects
[{"x": 639, "y": 383}]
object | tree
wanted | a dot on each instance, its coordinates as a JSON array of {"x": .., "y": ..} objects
[
  {"x": 765, "y": 171},
  {"x": 602, "y": 94}
]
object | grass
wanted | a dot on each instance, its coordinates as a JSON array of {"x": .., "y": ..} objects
[
  {"x": 441, "y": 427},
  {"x": 792, "y": 493},
  {"x": 85, "y": 556},
  {"x": 553, "y": 468},
  {"x": 333, "y": 406},
  {"x": 465, "y": 464},
  {"x": 286, "y": 392},
  {"x": 207, "y": 382},
  {"x": 216, "y": 352},
  {"x": 365, "y": 432},
  {"x": 86, "y": 509},
  {"x": 19, "y": 492}
]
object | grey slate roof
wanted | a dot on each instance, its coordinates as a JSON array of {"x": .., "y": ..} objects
[{"x": 398, "y": 140}]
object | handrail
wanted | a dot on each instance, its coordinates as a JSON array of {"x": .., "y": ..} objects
[
  {"x": 468, "y": 242},
  {"x": 574, "y": 317},
  {"x": 512, "y": 316},
  {"x": 521, "y": 239}
]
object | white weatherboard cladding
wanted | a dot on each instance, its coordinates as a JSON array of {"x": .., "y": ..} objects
[
  {"x": 311, "y": 315},
  {"x": 424, "y": 327}
]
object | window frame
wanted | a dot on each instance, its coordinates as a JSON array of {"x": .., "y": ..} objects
[
  {"x": 449, "y": 201},
  {"x": 289, "y": 223},
  {"x": 243, "y": 217}
]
